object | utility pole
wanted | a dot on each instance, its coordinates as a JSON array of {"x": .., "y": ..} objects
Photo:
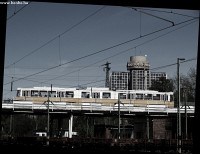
[
  {"x": 119, "y": 118},
  {"x": 48, "y": 121},
  {"x": 107, "y": 69},
  {"x": 185, "y": 98},
  {"x": 48, "y": 118},
  {"x": 178, "y": 107}
]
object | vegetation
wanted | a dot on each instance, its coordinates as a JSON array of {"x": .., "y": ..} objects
[
  {"x": 162, "y": 85},
  {"x": 187, "y": 86}
]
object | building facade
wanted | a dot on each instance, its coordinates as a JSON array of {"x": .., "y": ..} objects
[
  {"x": 138, "y": 76},
  {"x": 119, "y": 80}
]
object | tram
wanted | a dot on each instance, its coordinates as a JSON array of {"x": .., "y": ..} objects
[{"x": 93, "y": 92}]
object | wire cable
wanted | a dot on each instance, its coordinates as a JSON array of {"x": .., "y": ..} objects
[
  {"x": 154, "y": 16},
  {"x": 161, "y": 67},
  {"x": 18, "y": 10},
  {"x": 171, "y": 12},
  {"x": 119, "y": 53},
  {"x": 100, "y": 51},
  {"x": 58, "y": 36}
]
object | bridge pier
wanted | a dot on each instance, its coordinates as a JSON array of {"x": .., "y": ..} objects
[
  {"x": 60, "y": 120},
  {"x": 70, "y": 126}
]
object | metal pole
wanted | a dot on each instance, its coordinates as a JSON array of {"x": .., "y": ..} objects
[
  {"x": 119, "y": 117},
  {"x": 196, "y": 132},
  {"x": 48, "y": 121},
  {"x": 178, "y": 105},
  {"x": 185, "y": 115},
  {"x": 148, "y": 129},
  {"x": 48, "y": 118},
  {"x": 3, "y": 21}
]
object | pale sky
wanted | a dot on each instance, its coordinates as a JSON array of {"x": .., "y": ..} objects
[{"x": 66, "y": 44}]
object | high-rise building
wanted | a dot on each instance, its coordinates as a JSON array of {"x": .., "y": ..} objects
[
  {"x": 119, "y": 80},
  {"x": 138, "y": 76}
]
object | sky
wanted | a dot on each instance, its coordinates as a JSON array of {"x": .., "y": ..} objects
[{"x": 67, "y": 45}]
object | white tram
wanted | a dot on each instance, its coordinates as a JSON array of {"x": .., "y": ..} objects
[{"x": 94, "y": 92}]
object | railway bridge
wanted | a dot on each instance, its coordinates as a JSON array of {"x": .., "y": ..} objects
[
  {"x": 147, "y": 114},
  {"x": 155, "y": 122}
]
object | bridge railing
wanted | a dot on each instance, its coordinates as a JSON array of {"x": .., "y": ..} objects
[{"x": 63, "y": 106}]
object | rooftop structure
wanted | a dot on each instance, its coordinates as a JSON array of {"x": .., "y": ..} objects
[{"x": 138, "y": 62}]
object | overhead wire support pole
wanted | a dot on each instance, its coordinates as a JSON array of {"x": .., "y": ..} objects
[
  {"x": 48, "y": 121},
  {"x": 119, "y": 118},
  {"x": 48, "y": 118},
  {"x": 3, "y": 16},
  {"x": 185, "y": 98},
  {"x": 178, "y": 107},
  {"x": 195, "y": 134}
]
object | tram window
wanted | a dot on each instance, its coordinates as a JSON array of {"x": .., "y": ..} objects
[
  {"x": 139, "y": 96},
  {"x": 122, "y": 95},
  {"x": 85, "y": 95},
  {"x": 18, "y": 92},
  {"x": 69, "y": 94},
  {"x": 171, "y": 98},
  {"x": 95, "y": 95},
  {"x": 60, "y": 94},
  {"x": 43, "y": 93},
  {"x": 131, "y": 96},
  {"x": 148, "y": 96},
  {"x": 106, "y": 95},
  {"x": 25, "y": 93},
  {"x": 49, "y": 93},
  {"x": 34, "y": 93},
  {"x": 156, "y": 97},
  {"x": 53, "y": 94},
  {"x": 165, "y": 97}
]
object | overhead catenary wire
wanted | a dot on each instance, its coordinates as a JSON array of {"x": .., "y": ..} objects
[
  {"x": 153, "y": 16},
  {"x": 170, "y": 12},
  {"x": 100, "y": 51},
  {"x": 58, "y": 36},
  {"x": 156, "y": 68},
  {"x": 161, "y": 67},
  {"x": 121, "y": 52},
  {"x": 113, "y": 56},
  {"x": 17, "y": 11},
  {"x": 59, "y": 50}
]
